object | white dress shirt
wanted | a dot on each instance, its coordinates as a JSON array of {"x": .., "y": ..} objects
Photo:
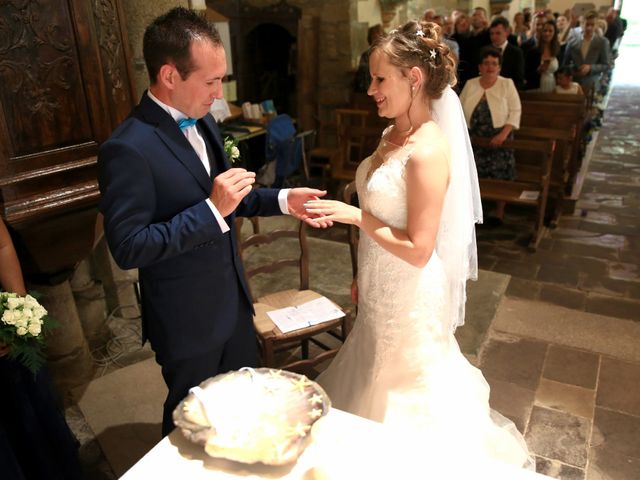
[{"x": 197, "y": 142}]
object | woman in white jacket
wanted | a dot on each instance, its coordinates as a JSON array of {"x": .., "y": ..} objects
[{"x": 492, "y": 109}]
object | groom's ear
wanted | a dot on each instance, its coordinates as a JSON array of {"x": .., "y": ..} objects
[{"x": 167, "y": 76}]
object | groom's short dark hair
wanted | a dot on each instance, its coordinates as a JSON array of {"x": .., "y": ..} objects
[{"x": 168, "y": 40}]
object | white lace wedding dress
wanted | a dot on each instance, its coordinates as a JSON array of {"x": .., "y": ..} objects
[{"x": 400, "y": 364}]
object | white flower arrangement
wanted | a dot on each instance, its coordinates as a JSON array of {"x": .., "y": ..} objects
[
  {"x": 23, "y": 325},
  {"x": 231, "y": 149}
]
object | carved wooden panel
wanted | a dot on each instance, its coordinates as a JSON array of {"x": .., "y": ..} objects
[{"x": 64, "y": 86}]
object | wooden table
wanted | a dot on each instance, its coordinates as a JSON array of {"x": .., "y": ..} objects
[{"x": 344, "y": 446}]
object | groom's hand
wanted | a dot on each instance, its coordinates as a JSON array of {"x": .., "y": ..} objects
[
  {"x": 229, "y": 188},
  {"x": 296, "y": 200}
]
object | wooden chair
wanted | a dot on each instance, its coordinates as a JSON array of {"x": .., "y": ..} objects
[
  {"x": 358, "y": 136},
  {"x": 270, "y": 339},
  {"x": 531, "y": 192}
]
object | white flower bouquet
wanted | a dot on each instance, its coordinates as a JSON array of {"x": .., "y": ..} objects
[
  {"x": 23, "y": 325},
  {"x": 231, "y": 149}
]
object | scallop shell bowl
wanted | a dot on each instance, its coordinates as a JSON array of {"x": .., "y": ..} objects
[{"x": 253, "y": 415}]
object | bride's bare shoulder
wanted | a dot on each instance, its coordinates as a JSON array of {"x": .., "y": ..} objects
[{"x": 430, "y": 144}]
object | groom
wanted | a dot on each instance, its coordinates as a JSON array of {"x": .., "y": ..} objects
[{"x": 169, "y": 199}]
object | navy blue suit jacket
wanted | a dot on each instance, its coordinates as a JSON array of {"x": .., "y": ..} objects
[{"x": 154, "y": 188}]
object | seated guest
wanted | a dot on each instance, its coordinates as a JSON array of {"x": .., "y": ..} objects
[
  {"x": 590, "y": 54},
  {"x": 492, "y": 109},
  {"x": 565, "y": 83},
  {"x": 467, "y": 58},
  {"x": 446, "y": 38},
  {"x": 541, "y": 62},
  {"x": 512, "y": 57},
  {"x": 520, "y": 30}
]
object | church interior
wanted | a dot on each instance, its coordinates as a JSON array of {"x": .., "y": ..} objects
[{"x": 553, "y": 320}]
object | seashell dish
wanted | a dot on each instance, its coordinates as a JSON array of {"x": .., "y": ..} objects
[{"x": 253, "y": 415}]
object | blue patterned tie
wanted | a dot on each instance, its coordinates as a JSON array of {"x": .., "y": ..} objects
[{"x": 186, "y": 122}]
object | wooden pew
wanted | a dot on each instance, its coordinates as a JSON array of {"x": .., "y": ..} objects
[
  {"x": 561, "y": 178},
  {"x": 532, "y": 191},
  {"x": 562, "y": 118}
]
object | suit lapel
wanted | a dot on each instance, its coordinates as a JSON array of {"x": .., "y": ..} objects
[
  {"x": 212, "y": 134},
  {"x": 171, "y": 135}
]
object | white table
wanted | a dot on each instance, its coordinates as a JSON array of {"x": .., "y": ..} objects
[{"x": 344, "y": 446}]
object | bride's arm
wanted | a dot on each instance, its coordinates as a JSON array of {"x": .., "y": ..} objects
[{"x": 427, "y": 173}]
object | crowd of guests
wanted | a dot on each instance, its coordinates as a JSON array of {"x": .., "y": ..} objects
[{"x": 542, "y": 51}]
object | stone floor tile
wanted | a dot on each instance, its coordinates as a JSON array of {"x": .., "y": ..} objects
[
  {"x": 614, "y": 392},
  {"x": 608, "y": 464},
  {"x": 614, "y": 307},
  {"x": 616, "y": 431},
  {"x": 593, "y": 266},
  {"x": 604, "y": 285},
  {"x": 556, "y": 469},
  {"x": 521, "y": 288},
  {"x": 571, "y": 366},
  {"x": 583, "y": 250},
  {"x": 558, "y": 436},
  {"x": 567, "y": 398},
  {"x": 563, "y": 296},
  {"x": 512, "y": 401},
  {"x": 546, "y": 244},
  {"x": 521, "y": 269},
  {"x": 624, "y": 271},
  {"x": 517, "y": 361},
  {"x": 558, "y": 274},
  {"x": 486, "y": 262}
]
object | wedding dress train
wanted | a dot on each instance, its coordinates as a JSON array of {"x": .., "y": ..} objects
[{"x": 401, "y": 364}]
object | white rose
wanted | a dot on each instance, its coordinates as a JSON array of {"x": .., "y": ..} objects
[
  {"x": 27, "y": 313},
  {"x": 9, "y": 317},
  {"x": 15, "y": 302},
  {"x": 21, "y": 331},
  {"x": 235, "y": 152},
  {"x": 39, "y": 311},
  {"x": 34, "y": 329},
  {"x": 30, "y": 302},
  {"x": 22, "y": 322}
]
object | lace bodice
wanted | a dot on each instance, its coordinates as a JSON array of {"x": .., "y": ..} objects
[{"x": 401, "y": 305}]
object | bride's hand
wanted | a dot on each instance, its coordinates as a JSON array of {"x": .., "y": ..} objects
[{"x": 334, "y": 211}]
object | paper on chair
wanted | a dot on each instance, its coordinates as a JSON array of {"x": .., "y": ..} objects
[
  {"x": 305, "y": 315},
  {"x": 529, "y": 195}
]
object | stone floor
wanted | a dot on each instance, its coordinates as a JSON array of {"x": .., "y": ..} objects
[{"x": 560, "y": 345}]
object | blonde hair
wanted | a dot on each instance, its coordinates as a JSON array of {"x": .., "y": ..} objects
[{"x": 419, "y": 44}]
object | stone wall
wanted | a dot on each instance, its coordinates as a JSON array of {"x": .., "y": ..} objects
[{"x": 138, "y": 14}]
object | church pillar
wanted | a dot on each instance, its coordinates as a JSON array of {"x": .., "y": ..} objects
[
  {"x": 91, "y": 305},
  {"x": 67, "y": 349},
  {"x": 118, "y": 284}
]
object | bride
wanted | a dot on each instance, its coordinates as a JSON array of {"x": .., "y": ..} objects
[{"x": 419, "y": 199}]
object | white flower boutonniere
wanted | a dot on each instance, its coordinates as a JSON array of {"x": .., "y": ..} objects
[{"x": 231, "y": 149}]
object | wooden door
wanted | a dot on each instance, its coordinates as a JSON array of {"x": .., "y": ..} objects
[{"x": 65, "y": 84}]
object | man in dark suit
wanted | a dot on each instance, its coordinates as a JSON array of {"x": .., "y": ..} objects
[
  {"x": 512, "y": 57},
  {"x": 589, "y": 54},
  {"x": 169, "y": 199}
]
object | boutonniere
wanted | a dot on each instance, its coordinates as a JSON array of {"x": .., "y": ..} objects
[{"x": 231, "y": 149}]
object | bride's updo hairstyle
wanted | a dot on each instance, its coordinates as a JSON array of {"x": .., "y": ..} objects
[{"x": 419, "y": 44}]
